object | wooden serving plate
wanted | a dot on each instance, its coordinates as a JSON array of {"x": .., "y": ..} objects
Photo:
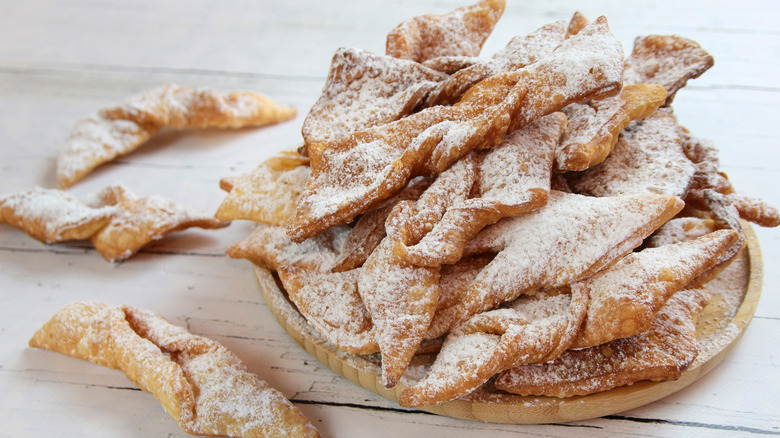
[{"x": 735, "y": 297}]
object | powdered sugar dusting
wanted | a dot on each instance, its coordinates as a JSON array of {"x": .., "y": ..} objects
[
  {"x": 52, "y": 215},
  {"x": 648, "y": 157}
]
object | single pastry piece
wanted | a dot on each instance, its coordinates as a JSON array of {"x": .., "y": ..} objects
[
  {"x": 667, "y": 60},
  {"x": 201, "y": 384},
  {"x": 362, "y": 90},
  {"x": 460, "y": 32},
  {"x": 267, "y": 194},
  {"x": 648, "y": 158},
  {"x": 119, "y": 130},
  {"x": 544, "y": 248},
  {"x": 52, "y": 215},
  {"x": 331, "y": 304},
  {"x": 140, "y": 220},
  {"x": 269, "y": 246},
  {"x": 664, "y": 352},
  {"x": 594, "y": 126}
]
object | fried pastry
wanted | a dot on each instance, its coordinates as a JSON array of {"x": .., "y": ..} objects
[
  {"x": 535, "y": 329},
  {"x": 460, "y": 32},
  {"x": 521, "y": 51},
  {"x": 357, "y": 173},
  {"x": 331, "y": 304},
  {"x": 705, "y": 160},
  {"x": 709, "y": 177},
  {"x": 52, "y": 215},
  {"x": 369, "y": 230},
  {"x": 648, "y": 157},
  {"x": 663, "y": 352},
  {"x": 200, "y": 383},
  {"x": 543, "y": 249},
  {"x": 755, "y": 210},
  {"x": 510, "y": 179},
  {"x": 119, "y": 130},
  {"x": 363, "y": 90},
  {"x": 577, "y": 22},
  {"x": 715, "y": 206},
  {"x": 685, "y": 228},
  {"x": 593, "y": 127},
  {"x": 667, "y": 60},
  {"x": 140, "y": 220},
  {"x": 267, "y": 194},
  {"x": 625, "y": 297},
  {"x": 401, "y": 297},
  {"x": 269, "y": 246},
  {"x": 544, "y": 57}
]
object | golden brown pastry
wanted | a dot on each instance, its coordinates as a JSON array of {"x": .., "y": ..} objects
[
  {"x": 140, "y": 220},
  {"x": 667, "y": 60},
  {"x": 201, "y": 384},
  {"x": 593, "y": 127},
  {"x": 663, "y": 352},
  {"x": 544, "y": 248},
  {"x": 460, "y": 32},
  {"x": 267, "y": 194},
  {"x": 119, "y": 130},
  {"x": 52, "y": 215}
]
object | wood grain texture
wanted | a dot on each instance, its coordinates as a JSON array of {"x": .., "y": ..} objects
[{"x": 63, "y": 59}]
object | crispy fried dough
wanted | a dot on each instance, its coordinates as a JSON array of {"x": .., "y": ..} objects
[
  {"x": 709, "y": 177},
  {"x": 52, "y": 215},
  {"x": 662, "y": 353},
  {"x": 401, "y": 299},
  {"x": 369, "y": 230},
  {"x": 625, "y": 297},
  {"x": 121, "y": 129},
  {"x": 594, "y": 126},
  {"x": 648, "y": 157},
  {"x": 270, "y": 247},
  {"x": 201, "y": 384},
  {"x": 331, "y": 304},
  {"x": 510, "y": 179},
  {"x": 400, "y": 296},
  {"x": 535, "y": 329},
  {"x": 543, "y": 249},
  {"x": 460, "y": 32},
  {"x": 140, "y": 220},
  {"x": 356, "y": 173},
  {"x": 268, "y": 193},
  {"x": 667, "y": 60},
  {"x": 363, "y": 90},
  {"x": 518, "y": 53}
]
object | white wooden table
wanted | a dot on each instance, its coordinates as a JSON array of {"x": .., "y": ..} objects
[{"x": 61, "y": 60}]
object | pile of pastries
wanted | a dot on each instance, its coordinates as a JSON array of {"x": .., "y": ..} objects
[{"x": 538, "y": 219}]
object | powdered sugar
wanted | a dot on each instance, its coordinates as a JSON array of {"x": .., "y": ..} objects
[
  {"x": 648, "y": 157},
  {"x": 52, "y": 215}
]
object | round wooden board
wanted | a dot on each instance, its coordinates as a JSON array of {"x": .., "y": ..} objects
[{"x": 735, "y": 297}]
